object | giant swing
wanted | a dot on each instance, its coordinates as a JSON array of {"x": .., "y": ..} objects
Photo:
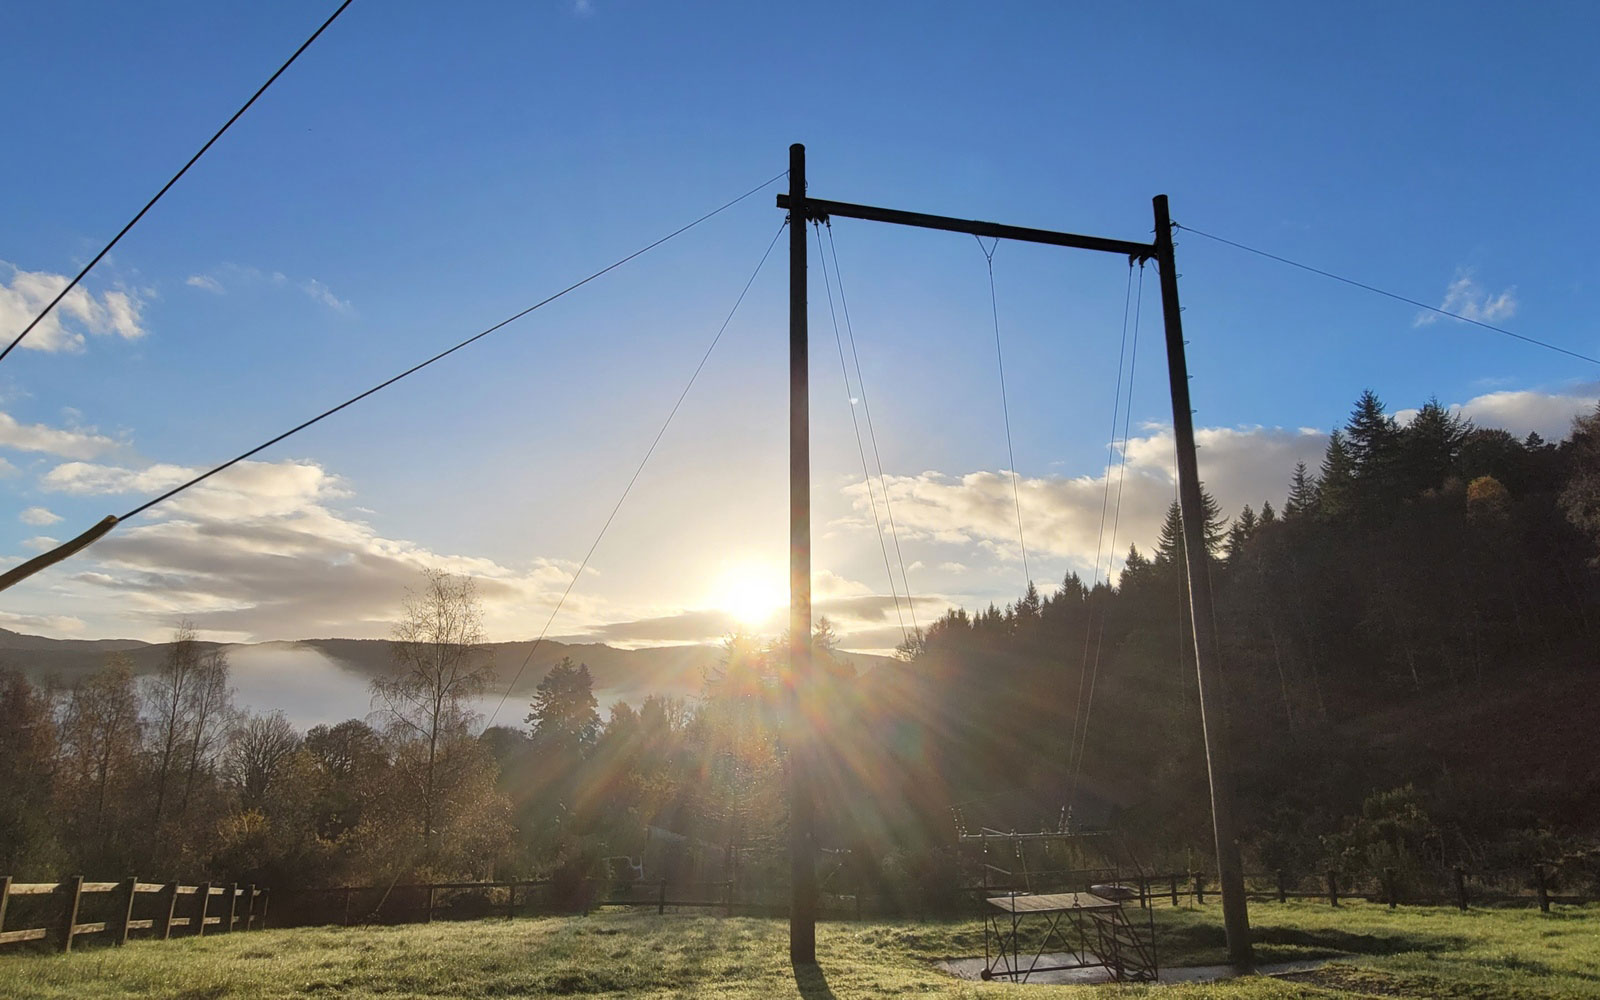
[{"x": 1089, "y": 927}]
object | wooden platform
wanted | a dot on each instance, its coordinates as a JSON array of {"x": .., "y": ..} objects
[{"x": 1054, "y": 902}]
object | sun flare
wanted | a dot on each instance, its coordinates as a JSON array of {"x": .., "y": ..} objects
[{"x": 751, "y": 592}]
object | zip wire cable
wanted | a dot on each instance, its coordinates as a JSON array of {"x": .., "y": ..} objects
[
  {"x": 1005, "y": 407},
  {"x": 1105, "y": 498},
  {"x": 638, "y": 471},
  {"x": 1393, "y": 295},
  {"x": 883, "y": 485},
  {"x": 1116, "y": 520},
  {"x": 37, "y": 563},
  {"x": 856, "y": 424},
  {"x": 185, "y": 169}
]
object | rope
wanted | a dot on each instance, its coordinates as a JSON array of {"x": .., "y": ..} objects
[
  {"x": 1079, "y": 709},
  {"x": 1005, "y": 407},
  {"x": 856, "y": 424},
  {"x": 174, "y": 179},
  {"x": 1393, "y": 295},
  {"x": 636, "y": 472},
  {"x": 1116, "y": 520},
  {"x": 872, "y": 434}
]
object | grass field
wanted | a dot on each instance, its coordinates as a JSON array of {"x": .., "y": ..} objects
[{"x": 1412, "y": 952}]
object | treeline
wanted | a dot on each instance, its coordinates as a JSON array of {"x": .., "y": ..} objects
[{"x": 1387, "y": 627}]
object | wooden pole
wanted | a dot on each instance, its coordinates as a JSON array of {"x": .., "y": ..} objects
[
  {"x": 802, "y": 807},
  {"x": 232, "y": 908},
  {"x": 119, "y": 927},
  {"x": 265, "y": 899},
  {"x": 1544, "y": 888},
  {"x": 1283, "y": 893},
  {"x": 1208, "y": 667},
  {"x": 1333, "y": 888},
  {"x": 1461, "y": 889},
  {"x": 249, "y": 905},
  {"x": 202, "y": 904},
  {"x": 71, "y": 891},
  {"x": 5, "y": 897},
  {"x": 168, "y": 901}
]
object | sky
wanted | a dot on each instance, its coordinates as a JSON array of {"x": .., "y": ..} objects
[{"x": 424, "y": 171}]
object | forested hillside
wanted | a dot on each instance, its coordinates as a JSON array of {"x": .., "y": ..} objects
[{"x": 1408, "y": 649}]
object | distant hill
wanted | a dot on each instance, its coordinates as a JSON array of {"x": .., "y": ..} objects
[{"x": 619, "y": 674}]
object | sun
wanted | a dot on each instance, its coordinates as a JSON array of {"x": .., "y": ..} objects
[{"x": 751, "y": 592}]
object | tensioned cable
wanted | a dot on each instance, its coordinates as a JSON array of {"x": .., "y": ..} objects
[
  {"x": 37, "y": 563},
  {"x": 185, "y": 169},
  {"x": 638, "y": 471},
  {"x": 1005, "y": 407},
  {"x": 1116, "y": 521},
  {"x": 1105, "y": 498},
  {"x": 866, "y": 473},
  {"x": 1393, "y": 295},
  {"x": 872, "y": 434}
]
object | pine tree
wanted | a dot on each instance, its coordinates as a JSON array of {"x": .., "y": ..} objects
[
  {"x": 1336, "y": 493},
  {"x": 1373, "y": 441},
  {"x": 563, "y": 714},
  {"x": 1303, "y": 488},
  {"x": 1169, "y": 545},
  {"x": 1244, "y": 526},
  {"x": 1430, "y": 445},
  {"x": 1268, "y": 515}
]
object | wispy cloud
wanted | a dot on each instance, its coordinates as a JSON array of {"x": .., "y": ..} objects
[
  {"x": 25, "y": 293},
  {"x": 235, "y": 276},
  {"x": 1468, "y": 300},
  {"x": 38, "y": 516},
  {"x": 68, "y": 443}
]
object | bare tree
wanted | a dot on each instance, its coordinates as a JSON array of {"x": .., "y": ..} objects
[
  {"x": 257, "y": 754},
  {"x": 210, "y": 711},
  {"x": 100, "y": 737},
  {"x": 439, "y": 665},
  {"x": 169, "y": 698}
]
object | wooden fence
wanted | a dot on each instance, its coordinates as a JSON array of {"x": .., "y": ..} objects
[{"x": 166, "y": 907}]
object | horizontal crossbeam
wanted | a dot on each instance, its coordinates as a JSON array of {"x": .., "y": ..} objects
[{"x": 818, "y": 209}]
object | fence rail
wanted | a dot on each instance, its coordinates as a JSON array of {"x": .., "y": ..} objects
[{"x": 59, "y": 906}]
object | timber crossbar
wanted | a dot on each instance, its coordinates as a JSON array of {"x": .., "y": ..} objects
[{"x": 167, "y": 907}]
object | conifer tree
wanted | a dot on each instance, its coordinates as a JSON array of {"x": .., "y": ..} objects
[
  {"x": 1244, "y": 526},
  {"x": 1336, "y": 493},
  {"x": 1302, "y": 500},
  {"x": 1268, "y": 515},
  {"x": 1430, "y": 445}
]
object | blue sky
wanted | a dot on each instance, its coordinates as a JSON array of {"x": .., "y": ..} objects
[{"x": 423, "y": 172}]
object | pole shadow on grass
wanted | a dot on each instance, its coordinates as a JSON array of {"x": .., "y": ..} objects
[{"x": 813, "y": 985}]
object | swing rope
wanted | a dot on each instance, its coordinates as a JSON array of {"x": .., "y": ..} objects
[
  {"x": 856, "y": 425},
  {"x": 1005, "y": 406}
]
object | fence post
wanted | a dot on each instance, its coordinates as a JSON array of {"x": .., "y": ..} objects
[
  {"x": 1544, "y": 888},
  {"x": 1283, "y": 892},
  {"x": 1461, "y": 889},
  {"x": 119, "y": 927},
  {"x": 203, "y": 891},
  {"x": 661, "y": 900},
  {"x": 162, "y": 929},
  {"x": 249, "y": 905},
  {"x": 1333, "y": 888},
  {"x": 1199, "y": 889},
  {"x": 347, "y": 906},
  {"x": 727, "y": 898},
  {"x": 1174, "y": 890},
  {"x": 265, "y": 898},
  {"x": 70, "y": 891},
  {"x": 233, "y": 907},
  {"x": 1144, "y": 892},
  {"x": 5, "y": 897},
  {"x": 1389, "y": 887},
  {"x": 428, "y": 917}
]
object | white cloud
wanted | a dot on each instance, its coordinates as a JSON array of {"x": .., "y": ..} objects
[
  {"x": 7, "y": 469},
  {"x": 1522, "y": 412},
  {"x": 28, "y": 292},
  {"x": 206, "y": 282},
  {"x": 38, "y": 516},
  {"x": 51, "y": 624},
  {"x": 78, "y": 443},
  {"x": 1466, "y": 299},
  {"x": 40, "y": 543},
  {"x": 262, "y": 551}
]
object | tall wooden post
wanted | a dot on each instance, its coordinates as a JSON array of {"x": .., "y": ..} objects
[
  {"x": 1230, "y": 869},
  {"x": 124, "y": 914},
  {"x": 70, "y": 892},
  {"x": 802, "y": 808}
]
